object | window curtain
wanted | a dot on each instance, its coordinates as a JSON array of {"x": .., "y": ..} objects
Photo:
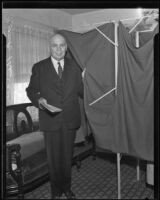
[{"x": 26, "y": 45}]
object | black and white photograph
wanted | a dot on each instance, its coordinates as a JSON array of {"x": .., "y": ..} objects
[{"x": 80, "y": 100}]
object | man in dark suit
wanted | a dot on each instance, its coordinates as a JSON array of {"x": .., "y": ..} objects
[{"x": 59, "y": 88}]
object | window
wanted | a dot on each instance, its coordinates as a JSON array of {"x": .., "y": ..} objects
[{"x": 26, "y": 45}]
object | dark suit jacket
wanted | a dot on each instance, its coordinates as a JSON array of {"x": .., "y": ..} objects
[{"x": 62, "y": 93}]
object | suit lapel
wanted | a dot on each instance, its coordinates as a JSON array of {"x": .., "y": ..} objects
[
  {"x": 51, "y": 69},
  {"x": 65, "y": 70},
  {"x": 52, "y": 74}
]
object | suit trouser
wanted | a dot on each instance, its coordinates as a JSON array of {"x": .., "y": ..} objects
[{"x": 59, "y": 147}]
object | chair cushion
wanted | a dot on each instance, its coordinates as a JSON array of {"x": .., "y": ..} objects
[{"x": 30, "y": 143}]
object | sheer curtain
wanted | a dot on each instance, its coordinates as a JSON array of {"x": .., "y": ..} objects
[{"x": 26, "y": 45}]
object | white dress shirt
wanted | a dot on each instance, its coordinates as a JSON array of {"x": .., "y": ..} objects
[{"x": 55, "y": 63}]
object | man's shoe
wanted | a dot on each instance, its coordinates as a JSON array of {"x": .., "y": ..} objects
[
  {"x": 150, "y": 186},
  {"x": 56, "y": 196},
  {"x": 70, "y": 195}
]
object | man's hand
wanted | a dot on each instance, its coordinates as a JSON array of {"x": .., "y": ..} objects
[{"x": 41, "y": 102}]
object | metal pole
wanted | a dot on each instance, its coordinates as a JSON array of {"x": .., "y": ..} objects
[
  {"x": 116, "y": 55},
  {"x": 138, "y": 169},
  {"x": 119, "y": 176}
]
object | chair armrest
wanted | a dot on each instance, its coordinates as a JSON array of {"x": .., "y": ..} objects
[{"x": 13, "y": 165}]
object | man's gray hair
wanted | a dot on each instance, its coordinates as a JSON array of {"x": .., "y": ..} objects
[{"x": 56, "y": 34}]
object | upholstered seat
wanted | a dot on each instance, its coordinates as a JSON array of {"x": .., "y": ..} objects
[{"x": 30, "y": 143}]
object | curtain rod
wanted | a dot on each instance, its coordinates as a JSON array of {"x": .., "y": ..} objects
[
  {"x": 138, "y": 17},
  {"x": 113, "y": 21}
]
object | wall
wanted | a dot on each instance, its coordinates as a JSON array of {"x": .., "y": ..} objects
[{"x": 83, "y": 22}]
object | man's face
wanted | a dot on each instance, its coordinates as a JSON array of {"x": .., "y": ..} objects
[{"x": 58, "y": 47}]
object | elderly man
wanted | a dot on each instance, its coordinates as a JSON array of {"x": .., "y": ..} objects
[{"x": 57, "y": 81}]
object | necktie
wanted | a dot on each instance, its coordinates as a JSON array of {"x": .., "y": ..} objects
[{"x": 60, "y": 70}]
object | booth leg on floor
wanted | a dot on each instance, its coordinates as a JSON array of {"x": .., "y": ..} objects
[
  {"x": 138, "y": 170},
  {"x": 119, "y": 175}
]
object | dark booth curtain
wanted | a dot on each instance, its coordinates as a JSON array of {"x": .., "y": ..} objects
[{"x": 122, "y": 123}]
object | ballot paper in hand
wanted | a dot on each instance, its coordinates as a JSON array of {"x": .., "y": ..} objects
[{"x": 51, "y": 108}]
